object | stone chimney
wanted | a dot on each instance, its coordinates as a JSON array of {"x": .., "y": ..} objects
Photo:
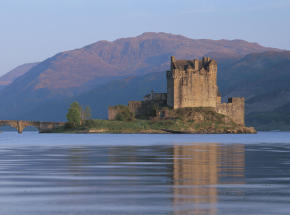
[
  {"x": 196, "y": 62},
  {"x": 172, "y": 61}
]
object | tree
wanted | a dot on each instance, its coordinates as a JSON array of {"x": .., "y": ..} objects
[
  {"x": 74, "y": 116},
  {"x": 75, "y": 105},
  {"x": 84, "y": 113},
  {"x": 124, "y": 113}
]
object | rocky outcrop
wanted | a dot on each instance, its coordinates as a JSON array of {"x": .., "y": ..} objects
[
  {"x": 92, "y": 131},
  {"x": 239, "y": 130}
]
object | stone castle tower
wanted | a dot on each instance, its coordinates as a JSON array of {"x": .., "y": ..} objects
[{"x": 192, "y": 83}]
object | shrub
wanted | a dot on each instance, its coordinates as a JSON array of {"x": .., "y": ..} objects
[
  {"x": 155, "y": 107},
  {"x": 182, "y": 118},
  {"x": 154, "y": 120},
  {"x": 182, "y": 111},
  {"x": 168, "y": 122},
  {"x": 68, "y": 125},
  {"x": 91, "y": 123},
  {"x": 124, "y": 113}
]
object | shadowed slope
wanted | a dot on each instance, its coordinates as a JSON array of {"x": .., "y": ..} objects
[{"x": 113, "y": 93}]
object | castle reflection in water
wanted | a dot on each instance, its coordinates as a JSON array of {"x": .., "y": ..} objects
[
  {"x": 187, "y": 177},
  {"x": 198, "y": 168}
]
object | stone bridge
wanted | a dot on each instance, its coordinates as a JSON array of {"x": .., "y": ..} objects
[{"x": 42, "y": 126}]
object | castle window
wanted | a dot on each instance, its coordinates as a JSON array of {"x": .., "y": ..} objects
[{"x": 184, "y": 81}]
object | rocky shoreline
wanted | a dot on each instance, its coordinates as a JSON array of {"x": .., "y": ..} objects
[{"x": 238, "y": 130}]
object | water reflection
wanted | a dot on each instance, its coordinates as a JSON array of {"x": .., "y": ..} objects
[
  {"x": 197, "y": 178},
  {"x": 198, "y": 168},
  {"x": 193, "y": 170}
]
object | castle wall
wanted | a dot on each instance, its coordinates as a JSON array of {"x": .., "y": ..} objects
[
  {"x": 159, "y": 96},
  {"x": 235, "y": 109},
  {"x": 155, "y": 96},
  {"x": 140, "y": 108},
  {"x": 112, "y": 113},
  {"x": 218, "y": 100},
  {"x": 144, "y": 107},
  {"x": 170, "y": 89}
]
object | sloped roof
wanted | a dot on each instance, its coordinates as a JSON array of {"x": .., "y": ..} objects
[
  {"x": 147, "y": 96},
  {"x": 212, "y": 62},
  {"x": 184, "y": 64},
  {"x": 218, "y": 93}
]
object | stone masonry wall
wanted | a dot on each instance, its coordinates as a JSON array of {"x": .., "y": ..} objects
[
  {"x": 170, "y": 87},
  {"x": 235, "y": 109},
  {"x": 142, "y": 108},
  {"x": 139, "y": 107},
  {"x": 112, "y": 112},
  {"x": 192, "y": 87}
]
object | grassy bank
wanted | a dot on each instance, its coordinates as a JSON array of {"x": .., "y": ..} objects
[{"x": 188, "y": 120}]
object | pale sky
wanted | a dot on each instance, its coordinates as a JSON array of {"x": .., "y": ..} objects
[{"x": 34, "y": 30}]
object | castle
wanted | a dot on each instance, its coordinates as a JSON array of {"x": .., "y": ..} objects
[{"x": 190, "y": 83}]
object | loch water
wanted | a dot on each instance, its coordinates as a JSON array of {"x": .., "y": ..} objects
[{"x": 144, "y": 173}]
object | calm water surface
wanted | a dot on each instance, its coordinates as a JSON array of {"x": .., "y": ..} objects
[{"x": 144, "y": 174}]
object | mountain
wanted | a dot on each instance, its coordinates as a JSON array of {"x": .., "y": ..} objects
[
  {"x": 9, "y": 77},
  {"x": 262, "y": 78},
  {"x": 72, "y": 72}
]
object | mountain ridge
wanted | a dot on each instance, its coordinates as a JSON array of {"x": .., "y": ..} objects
[{"x": 10, "y": 76}]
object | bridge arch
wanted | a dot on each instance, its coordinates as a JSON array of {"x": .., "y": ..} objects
[
  {"x": 13, "y": 124},
  {"x": 30, "y": 128},
  {"x": 24, "y": 124},
  {"x": 41, "y": 126}
]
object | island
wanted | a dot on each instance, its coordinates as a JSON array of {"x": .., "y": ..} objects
[{"x": 178, "y": 121}]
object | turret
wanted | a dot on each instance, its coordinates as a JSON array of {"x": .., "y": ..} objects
[
  {"x": 205, "y": 60},
  {"x": 196, "y": 62},
  {"x": 172, "y": 62}
]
